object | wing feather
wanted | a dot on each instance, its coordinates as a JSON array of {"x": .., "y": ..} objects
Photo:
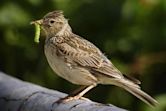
[{"x": 84, "y": 53}]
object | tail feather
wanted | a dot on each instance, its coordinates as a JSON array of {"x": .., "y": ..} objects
[{"x": 136, "y": 91}]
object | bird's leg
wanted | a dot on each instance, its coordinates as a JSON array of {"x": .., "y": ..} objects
[
  {"x": 85, "y": 90},
  {"x": 78, "y": 90},
  {"x": 77, "y": 93}
]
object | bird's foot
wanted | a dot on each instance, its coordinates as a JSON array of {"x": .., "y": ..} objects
[{"x": 67, "y": 99}]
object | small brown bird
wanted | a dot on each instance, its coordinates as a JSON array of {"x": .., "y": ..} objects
[{"x": 80, "y": 62}]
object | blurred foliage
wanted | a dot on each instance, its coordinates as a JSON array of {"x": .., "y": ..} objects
[{"x": 132, "y": 33}]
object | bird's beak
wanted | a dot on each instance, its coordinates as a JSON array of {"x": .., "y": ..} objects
[{"x": 39, "y": 22}]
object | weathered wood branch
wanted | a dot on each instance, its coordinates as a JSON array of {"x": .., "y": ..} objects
[{"x": 17, "y": 95}]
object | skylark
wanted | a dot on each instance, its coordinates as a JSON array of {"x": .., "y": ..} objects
[{"x": 81, "y": 62}]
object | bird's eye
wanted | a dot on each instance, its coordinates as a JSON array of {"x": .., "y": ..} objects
[{"x": 52, "y": 21}]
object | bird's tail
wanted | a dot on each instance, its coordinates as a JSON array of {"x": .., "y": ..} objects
[{"x": 136, "y": 91}]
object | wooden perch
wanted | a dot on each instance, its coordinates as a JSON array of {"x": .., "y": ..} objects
[{"x": 17, "y": 95}]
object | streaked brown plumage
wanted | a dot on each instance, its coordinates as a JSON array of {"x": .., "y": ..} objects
[{"x": 79, "y": 61}]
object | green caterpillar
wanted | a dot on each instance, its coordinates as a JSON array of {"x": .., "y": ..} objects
[{"x": 37, "y": 32}]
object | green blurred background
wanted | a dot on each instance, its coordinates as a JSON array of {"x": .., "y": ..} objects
[{"x": 132, "y": 33}]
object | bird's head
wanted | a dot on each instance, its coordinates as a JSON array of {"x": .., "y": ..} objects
[{"x": 54, "y": 23}]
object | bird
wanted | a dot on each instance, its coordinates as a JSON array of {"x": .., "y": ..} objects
[{"x": 80, "y": 62}]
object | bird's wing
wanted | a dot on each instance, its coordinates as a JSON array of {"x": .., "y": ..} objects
[{"x": 84, "y": 53}]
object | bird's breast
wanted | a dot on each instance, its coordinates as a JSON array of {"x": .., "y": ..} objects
[{"x": 76, "y": 75}]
